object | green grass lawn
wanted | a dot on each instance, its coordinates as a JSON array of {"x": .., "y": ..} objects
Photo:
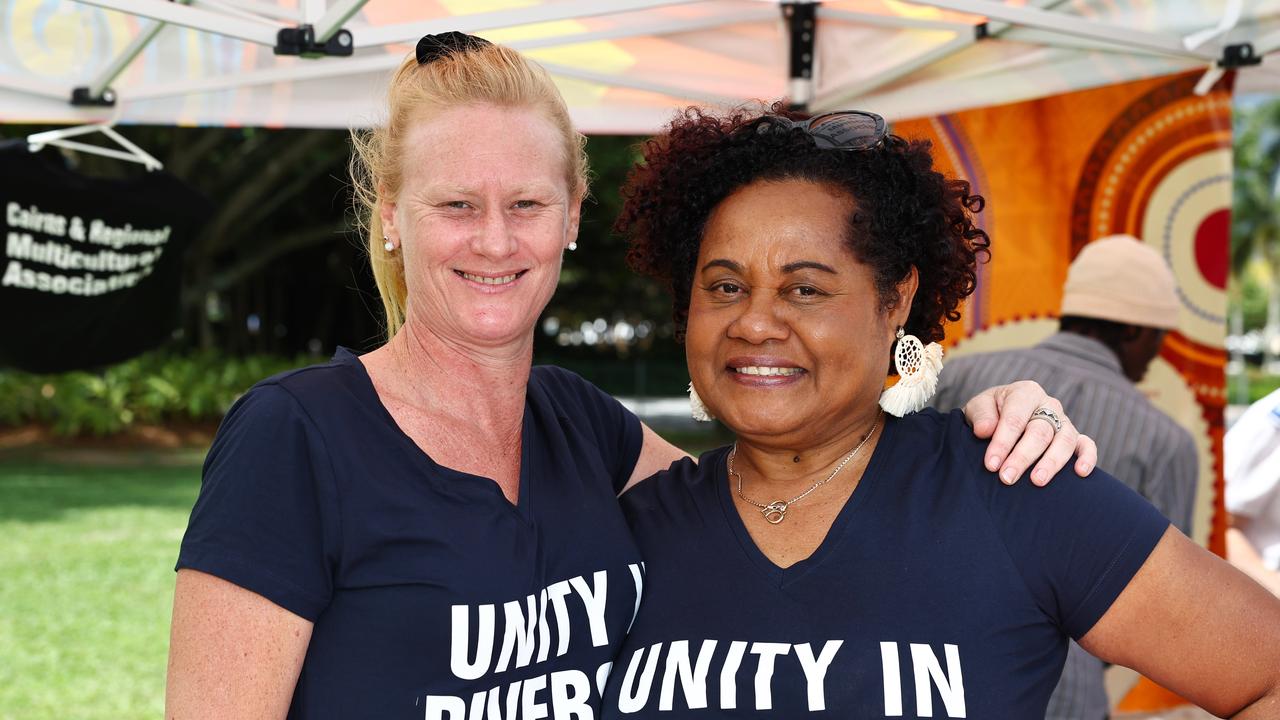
[
  {"x": 86, "y": 579},
  {"x": 86, "y": 586}
]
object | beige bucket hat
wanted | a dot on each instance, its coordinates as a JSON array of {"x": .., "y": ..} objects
[{"x": 1122, "y": 279}]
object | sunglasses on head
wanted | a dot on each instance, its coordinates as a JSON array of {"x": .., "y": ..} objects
[
  {"x": 433, "y": 47},
  {"x": 842, "y": 130}
]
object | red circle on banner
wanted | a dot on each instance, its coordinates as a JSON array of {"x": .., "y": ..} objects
[{"x": 1211, "y": 247}]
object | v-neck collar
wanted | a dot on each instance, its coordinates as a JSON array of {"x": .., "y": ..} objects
[
  {"x": 872, "y": 479},
  {"x": 436, "y": 473}
]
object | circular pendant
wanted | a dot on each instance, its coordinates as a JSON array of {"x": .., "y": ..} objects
[{"x": 775, "y": 512}]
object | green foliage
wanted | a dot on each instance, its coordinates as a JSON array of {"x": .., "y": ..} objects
[
  {"x": 88, "y": 586},
  {"x": 1250, "y": 288},
  {"x": 1255, "y": 222},
  {"x": 152, "y": 389},
  {"x": 1261, "y": 384},
  {"x": 595, "y": 281},
  {"x": 1255, "y": 219}
]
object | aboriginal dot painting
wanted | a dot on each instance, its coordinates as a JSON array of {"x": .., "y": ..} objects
[{"x": 1150, "y": 159}]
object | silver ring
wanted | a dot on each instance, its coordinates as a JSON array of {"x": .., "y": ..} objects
[{"x": 1049, "y": 416}]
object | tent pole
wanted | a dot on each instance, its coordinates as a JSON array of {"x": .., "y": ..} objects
[
  {"x": 1078, "y": 26},
  {"x": 1036, "y": 36},
  {"x": 802, "y": 37},
  {"x": 317, "y": 70},
  {"x": 122, "y": 61},
  {"x": 195, "y": 18},
  {"x": 382, "y": 63},
  {"x": 659, "y": 28},
  {"x": 333, "y": 19},
  {"x": 923, "y": 60},
  {"x": 261, "y": 9},
  {"x": 40, "y": 88},
  {"x": 1267, "y": 43},
  {"x": 892, "y": 21},
  {"x": 312, "y": 11},
  {"x": 633, "y": 83},
  {"x": 479, "y": 22},
  {"x": 353, "y": 66},
  {"x": 936, "y": 55}
]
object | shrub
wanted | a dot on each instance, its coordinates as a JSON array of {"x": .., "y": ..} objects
[{"x": 153, "y": 389}]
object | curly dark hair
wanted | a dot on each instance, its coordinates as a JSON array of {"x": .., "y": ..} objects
[{"x": 905, "y": 214}]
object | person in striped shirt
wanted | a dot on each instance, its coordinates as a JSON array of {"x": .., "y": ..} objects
[{"x": 1118, "y": 302}]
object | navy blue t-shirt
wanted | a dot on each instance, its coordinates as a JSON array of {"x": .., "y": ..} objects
[
  {"x": 430, "y": 593},
  {"x": 939, "y": 592}
]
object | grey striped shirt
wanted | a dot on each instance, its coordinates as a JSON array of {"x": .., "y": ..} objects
[{"x": 1137, "y": 443}]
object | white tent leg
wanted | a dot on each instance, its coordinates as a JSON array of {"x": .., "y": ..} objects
[{"x": 1209, "y": 79}]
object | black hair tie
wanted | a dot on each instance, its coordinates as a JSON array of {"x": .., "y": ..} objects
[{"x": 433, "y": 47}]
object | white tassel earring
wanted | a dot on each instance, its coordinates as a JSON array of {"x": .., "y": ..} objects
[
  {"x": 918, "y": 366},
  {"x": 696, "y": 408}
]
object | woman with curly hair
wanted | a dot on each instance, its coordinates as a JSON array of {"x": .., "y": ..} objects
[{"x": 839, "y": 558}]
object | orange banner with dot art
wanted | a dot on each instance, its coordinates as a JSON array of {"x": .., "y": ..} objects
[{"x": 1150, "y": 159}]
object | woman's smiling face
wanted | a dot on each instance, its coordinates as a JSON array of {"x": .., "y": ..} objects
[
  {"x": 787, "y": 341},
  {"x": 483, "y": 216}
]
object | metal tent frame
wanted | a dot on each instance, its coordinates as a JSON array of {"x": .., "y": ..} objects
[{"x": 335, "y": 42}]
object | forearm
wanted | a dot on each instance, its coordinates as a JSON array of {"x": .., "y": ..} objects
[{"x": 656, "y": 454}]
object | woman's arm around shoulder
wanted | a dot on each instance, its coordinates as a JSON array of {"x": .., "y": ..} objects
[
  {"x": 1003, "y": 414},
  {"x": 620, "y": 434},
  {"x": 1198, "y": 626},
  {"x": 656, "y": 455},
  {"x": 232, "y": 653}
]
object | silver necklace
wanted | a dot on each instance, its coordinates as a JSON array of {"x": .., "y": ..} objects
[{"x": 775, "y": 512}]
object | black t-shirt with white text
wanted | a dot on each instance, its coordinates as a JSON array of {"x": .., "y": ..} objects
[
  {"x": 91, "y": 268},
  {"x": 431, "y": 595},
  {"x": 938, "y": 592}
]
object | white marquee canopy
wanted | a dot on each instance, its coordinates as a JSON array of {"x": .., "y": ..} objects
[{"x": 623, "y": 65}]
